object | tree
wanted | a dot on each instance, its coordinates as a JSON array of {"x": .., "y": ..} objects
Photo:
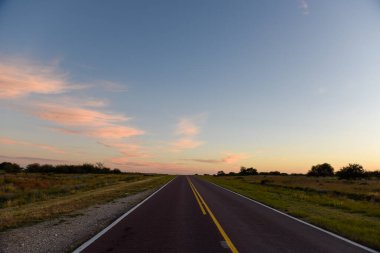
[
  {"x": 220, "y": 173},
  {"x": 352, "y": 171},
  {"x": 321, "y": 170},
  {"x": 274, "y": 173},
  {"x": 375, "y": 173},
  {"x": 34, "y": 167},
  {"x": 10, "y": 167},
  {"x": 247, "y": 171}
]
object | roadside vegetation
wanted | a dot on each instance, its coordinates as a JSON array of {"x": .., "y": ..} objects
[
  {"x": 28, "y": 197},
  {"x": 349, "y": 207}
]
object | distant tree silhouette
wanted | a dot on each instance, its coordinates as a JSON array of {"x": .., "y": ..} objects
[
  {"x": 220, "y": 173},
  {"x": 321, "y": 170},
  {"x": 247, "y": 171},
  {"x": 78, "y": 169},
  {"x": 34, "y": 167},
  {"x": 352, "y": 171},
  {"x": 10, "y": 167},
  {"x": 370, "y": 174}
]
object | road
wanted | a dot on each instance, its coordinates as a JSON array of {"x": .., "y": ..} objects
[{"x": 192, "y": 215}]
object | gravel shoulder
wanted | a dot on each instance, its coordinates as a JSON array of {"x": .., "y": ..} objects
[{"x": 67, "y": 232}]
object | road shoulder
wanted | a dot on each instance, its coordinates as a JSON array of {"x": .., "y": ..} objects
[{"x": 65, "y": 233}]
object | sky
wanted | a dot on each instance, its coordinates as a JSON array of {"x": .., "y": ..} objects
[{"x": 188, "y": 87}]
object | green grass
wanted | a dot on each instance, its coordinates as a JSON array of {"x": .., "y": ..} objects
[
  {"x": 30, "y": 198},
  {"x": 338, "y": 206}
]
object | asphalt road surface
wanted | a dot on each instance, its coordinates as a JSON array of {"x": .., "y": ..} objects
[{"x": 192, "y": 215}]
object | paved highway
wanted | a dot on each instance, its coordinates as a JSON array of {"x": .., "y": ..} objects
[{"x": 191, "y": 215}]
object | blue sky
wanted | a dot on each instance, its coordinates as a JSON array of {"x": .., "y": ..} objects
[{"x": 205, "y": 85}]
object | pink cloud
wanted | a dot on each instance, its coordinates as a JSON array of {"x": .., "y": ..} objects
[
  {"x": 233, "y": 158},
  {"x": 66, "y": 115},
  {"x": 9, "y": 141},
  {"x": 115, "y": 132},
  {"x": 84, "y": 121},
  {"x": 19, "y": 78},
  {"x": 186, "y": 143},
  {"x": 128, "y": 152},
  {"x": 187, "y": 128}
]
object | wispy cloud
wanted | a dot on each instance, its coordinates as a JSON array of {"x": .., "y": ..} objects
[
  {"x": 187, "y": 130},
  {"x": 84, "y": 121},
  {"x": 233, "y": 158},
  {"x": 22, "y": 160},
  {"x": 186, "y": 143},
  {"x": 70, "y": 113},
  {"x": 127, "y": 152},
  {"x": 19, "y": 78},
  {"x": 187, "y": 127},
  {"x": 10, "y": 141},
  {"x": 228, "y": 158},
  {"x": 204, "y": 160},
  {"x": 304, "y": 6},
  {"x": 74, "y": 115}
]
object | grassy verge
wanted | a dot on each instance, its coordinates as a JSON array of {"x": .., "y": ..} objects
[
  {"x": 358, "y": 220},
  {"x": 53, "y": 205}
]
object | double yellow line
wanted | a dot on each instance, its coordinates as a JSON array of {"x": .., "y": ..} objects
[{"x": 202, "y": 204}]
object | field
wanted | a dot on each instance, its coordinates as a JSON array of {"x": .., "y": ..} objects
[
  {"x": 348, "y": 208},
  {"x": 26, "y": 198}
]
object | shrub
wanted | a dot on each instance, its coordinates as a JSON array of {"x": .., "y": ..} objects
[
  {"x": 10, "y": 167},
  {"x": 220, "y": 173},
  {"x": 321, "y": 170},
  {"x": 247, "y": 171},
  {"x": 352, "y": 171},
  {"x": 375, "y": 173}
]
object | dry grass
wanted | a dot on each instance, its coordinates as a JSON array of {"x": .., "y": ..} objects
[
  {"x": 354, "y": 189},
  {"x": 42, "y": 197}
]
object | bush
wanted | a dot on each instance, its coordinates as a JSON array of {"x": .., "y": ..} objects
[
  {"x": 248, "y": 171},
  {"x": 10, "y": 167},
  {"x": 220, "y": 173},
  {"x": 321, "y": 170},
  {"x": 352, "y": 171},
  {"x": 75, "y": 169},
  {"x": 375, "y": 173}
]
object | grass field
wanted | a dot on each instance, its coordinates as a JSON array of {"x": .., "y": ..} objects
[
  {"x": 29, "y": 198},
  {"x": 348, "y": 208}
]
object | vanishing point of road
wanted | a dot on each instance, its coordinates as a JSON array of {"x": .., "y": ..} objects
[{"x": 192, "y": 215}]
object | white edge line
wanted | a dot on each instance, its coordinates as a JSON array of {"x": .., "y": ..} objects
[
  {"x": 303, "y": 222},
  {"x": 93, "y": 239}
]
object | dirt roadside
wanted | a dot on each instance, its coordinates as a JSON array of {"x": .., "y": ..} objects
[{"x": 67, "y": 232}]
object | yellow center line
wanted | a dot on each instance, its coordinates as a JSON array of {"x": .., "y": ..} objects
[
  {"x": 197, "y": 198},
  {"x": 221, "y": 230}
]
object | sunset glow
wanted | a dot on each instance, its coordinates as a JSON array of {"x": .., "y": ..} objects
[{"x": 197, "y": 88}]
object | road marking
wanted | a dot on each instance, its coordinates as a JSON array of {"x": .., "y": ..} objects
[
  {"x": 197, "y": 198},
  {"x": 301, "y": 221},
  {"x": 221, "y": 230},
  {"x": 93, "y": 239}
]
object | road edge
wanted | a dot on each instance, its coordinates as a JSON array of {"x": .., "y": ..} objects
[
  {"x": 104, "y": 230},
  {"x": 301, "y": 221}
]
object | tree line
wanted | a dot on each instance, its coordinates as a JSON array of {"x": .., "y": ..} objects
[
  {"x": 97, "y": 168},
  {"x": 351, "y": 171}
]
